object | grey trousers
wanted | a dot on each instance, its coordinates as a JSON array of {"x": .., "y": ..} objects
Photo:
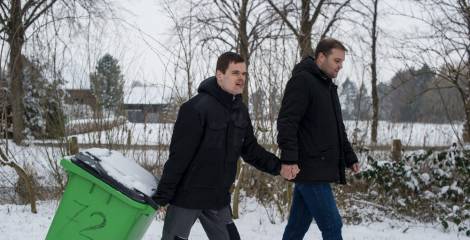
[{"x": 217, "y": 224}]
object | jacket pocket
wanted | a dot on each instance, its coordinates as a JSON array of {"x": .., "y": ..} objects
[
  {"x": 321, "y": 152},
  {"x": 203, "y": 173},
  {"x": 215, "y": 134},
  {"x": 239, "y": 133}
]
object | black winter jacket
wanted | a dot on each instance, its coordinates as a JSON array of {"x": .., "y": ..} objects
[
  {"x": 212, "y": 130},
  {"x": 310, "y": 126}
]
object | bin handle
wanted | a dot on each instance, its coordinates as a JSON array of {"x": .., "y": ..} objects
[
  {"x": 149, "y": 200},
  {"x": 152, "y": 203}
]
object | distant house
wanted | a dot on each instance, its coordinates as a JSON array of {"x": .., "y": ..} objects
[
  {"x": 142, "y": 104},
  {"x": 80, "y": 103},
  {"x": 80, "y": 96},
  {"x": 146, "y": 104}
]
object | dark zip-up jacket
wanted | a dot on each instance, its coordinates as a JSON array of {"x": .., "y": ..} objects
[
  {"x": 213, "y": 129},
  {"x": 310, "y": 126}
]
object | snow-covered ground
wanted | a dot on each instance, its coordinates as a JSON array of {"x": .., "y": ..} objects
[
  {"x": 411, "y": 134},
  {"x": 18, "y": 223}
]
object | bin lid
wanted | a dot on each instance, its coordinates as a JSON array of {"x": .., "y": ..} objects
[{"x": 122, "y": 173}]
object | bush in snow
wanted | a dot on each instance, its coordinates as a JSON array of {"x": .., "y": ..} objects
[
  {"x": 427, "y": 185},
  {"x": 34, "y": 93},
  {"x": 42, "y": 102}
]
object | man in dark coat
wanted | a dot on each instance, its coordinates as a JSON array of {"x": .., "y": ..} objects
[
  {"x": 312, "y": 137},
  {"x": 212, "y": 131}
]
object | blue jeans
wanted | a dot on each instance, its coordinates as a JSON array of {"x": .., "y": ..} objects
[{"x": 313, "y": 200}]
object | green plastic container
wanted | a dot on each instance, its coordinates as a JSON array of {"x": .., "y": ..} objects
[{"x": 91, "y": 209}]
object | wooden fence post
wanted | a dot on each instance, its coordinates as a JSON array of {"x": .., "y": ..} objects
[
  {"x": 466, "y": 133},
  {"x": 72, "y": 146},
  {"x": 129, "y": 137},
  {"x": 396, "y": 150}
]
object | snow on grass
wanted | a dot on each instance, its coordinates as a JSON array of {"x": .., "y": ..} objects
[
  {"x": 411, "y": 134},
  {"x": 19, "y": 223},
  {"x": 39, "y": 159}
]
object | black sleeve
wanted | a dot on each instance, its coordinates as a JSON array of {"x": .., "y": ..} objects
[
  {"x": 256, "y": 155},
  {"x": 294, "y": 105},
  {"x": 350, "y": 156},
  {"x": 185, "y": 140}
]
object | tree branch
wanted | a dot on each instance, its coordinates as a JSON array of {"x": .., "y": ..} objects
[
  {"x": 316, "y": 13},
  {"x": 335, "y": 18},
  {"x": 284, "y": 18},
  {"x": 35, "y": 15}
]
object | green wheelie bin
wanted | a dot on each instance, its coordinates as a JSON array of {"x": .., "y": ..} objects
[{"x": 107, "y": 197}]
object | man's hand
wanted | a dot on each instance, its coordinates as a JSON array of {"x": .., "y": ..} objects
[
  {"x": 289, "y": 172},
  {"x": 161, "y": 212},
  {"x": 355, "y": 168}
]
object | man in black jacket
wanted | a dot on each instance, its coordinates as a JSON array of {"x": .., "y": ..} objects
[
  {"x": 211, "y": 132},
  {"x": 312, "y": 137}
]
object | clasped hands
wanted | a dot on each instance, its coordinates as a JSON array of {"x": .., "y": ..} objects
[{"x": 288, "y": 171}]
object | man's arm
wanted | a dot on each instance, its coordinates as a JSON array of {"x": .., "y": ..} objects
[
  {"x": 257, "y": 156},
  {"x": 349, "y": 155},
  {"x": 185, "y": 140},
  {"x": 294, "y": 105}
]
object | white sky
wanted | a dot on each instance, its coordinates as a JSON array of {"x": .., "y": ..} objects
[
  {"x": 145, "y": 53},
  {"x": 138, "y": 40}
]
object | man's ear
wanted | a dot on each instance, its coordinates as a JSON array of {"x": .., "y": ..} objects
[
  {"x": 321, "y": 58},
  {"x": 218, "y": 75}
]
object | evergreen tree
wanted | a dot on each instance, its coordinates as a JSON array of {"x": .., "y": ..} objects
[
  {"x": 42, "y": 102},
  {"x": 408, "y": 88},
  {"x": 362, "y": 104},
  {"x": 107, "y": 84},
  {"x": 383, "y": 91},
  {"x": 355, "y": 103},
  {"x": 54, "y": 115},
  {"x": 34, "y": 85},
  {"x": 257, "y": 100},
  {"x": 348, "y": 96}
]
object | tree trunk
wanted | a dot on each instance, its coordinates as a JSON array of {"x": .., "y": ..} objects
[
  {"x": 375, "y": 98},
  {"x": 16, "y": 40},
  {"x": 305, "y": 34},
  {"x": 466, "y": 96},
  {"x": 289, "y": 193},
  {"x": 466, "y": 128},
  {"x": 236, "y": 190},
  {"x": 244, "y": 44},
  {"x": 244, "y": 52}
]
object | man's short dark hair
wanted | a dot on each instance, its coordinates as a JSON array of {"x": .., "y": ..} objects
[
  {"x": 226, "y": 58},
  {"x": 325, "y": 45}
]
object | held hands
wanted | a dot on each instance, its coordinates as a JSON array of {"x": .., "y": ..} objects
[
  {"x": 355, "y": 168},
  {"x": 289, "y": 172}
]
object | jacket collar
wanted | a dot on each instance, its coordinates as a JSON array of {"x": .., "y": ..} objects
[
  {"x": 211, "y": 87},
  {"x": 308, "y": 64}
]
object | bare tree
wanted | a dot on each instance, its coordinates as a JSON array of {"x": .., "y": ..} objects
[
  {"x": 370, "y": 13},
  {"x": 5, "y": 161},
  {"x": 16, "y": 19},
  {"x": 373, "y": 66},
  {"x": 289, "y": 12},
  {"x": 239, "y": 26},
  {"x": 21, "y": 22},
  {"x": 445, "y": 46},
  {"x": 234, "y": 25}
]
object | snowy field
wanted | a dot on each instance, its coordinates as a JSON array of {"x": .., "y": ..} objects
[
  {"x": 411, "y": 134},
  {"x": 254, "y": 224},
  {"x": 18, "y": 223}
]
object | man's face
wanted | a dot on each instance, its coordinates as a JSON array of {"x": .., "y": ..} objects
[
  {"x": 332, "y": 62},
  {"x": 233, "y": 80}
]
